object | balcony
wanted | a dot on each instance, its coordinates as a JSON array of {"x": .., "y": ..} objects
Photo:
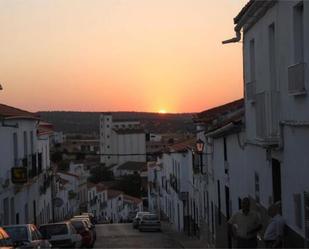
[{"x": 297, "y": 79}]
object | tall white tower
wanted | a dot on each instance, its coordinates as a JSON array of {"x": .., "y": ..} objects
[{"x": 106, "y": 122}]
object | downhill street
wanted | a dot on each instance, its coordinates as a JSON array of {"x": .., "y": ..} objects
[{"x": 124, "y": 236}]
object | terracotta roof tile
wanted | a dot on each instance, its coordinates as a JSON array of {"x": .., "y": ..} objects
[
  {"x": 10, "y": 112},
  {"x": 132, "y": 199},
  {"x": 111, "y": 194},
  {"x": 213, "y": 113},
  {"x": 183, "y": 146}
]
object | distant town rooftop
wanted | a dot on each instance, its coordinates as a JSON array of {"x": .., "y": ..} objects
[
  {"x": 133, "y": 166},
  {"x": 129, "y": 131}
]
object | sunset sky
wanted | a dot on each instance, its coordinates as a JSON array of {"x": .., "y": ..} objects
[{"x": 119, "y": 55}]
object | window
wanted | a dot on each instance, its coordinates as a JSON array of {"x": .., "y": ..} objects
[
  {"x": 257, "y": 186},
  {"x": 224, "y": 148},
  {"x": 298, "y": 211},
  {"x": 219, "y": 203},
  {"x": 272, "y": 56},
  {"x": 31, "y": 142},
  {"x": 15, "y": 148},
  {"x": 25, "y": 144},
  {"x": 298, "y": 26},
  {"x": 252, "y": 60}
]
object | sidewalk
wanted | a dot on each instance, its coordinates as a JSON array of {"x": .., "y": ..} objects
[{"x": 183, "y": 239}]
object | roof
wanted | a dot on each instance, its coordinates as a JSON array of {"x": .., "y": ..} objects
[
  {"x": 252, "y": 12},
  {"x": 63, "y": 181},
  {"x": 129, "y": 131},
  {"x": 215, "y": 112},
  {"x": 69, "y": 174},
  {"x": 243, "y": 11},
  {"x": 120, "y": 120},
  {"x": 45, "y": 128},
  {"x": 113, "y": 193},
  {"x": 183, "y": 146},
  {"x": 132, "y": 199},
  {"x": 9, "y": 112},
  {"x": 133, "y": 166}
]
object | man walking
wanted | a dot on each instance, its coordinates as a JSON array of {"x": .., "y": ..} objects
[
  {"x": 274, "y": 232},
  {"x": 244, "y": 226}
]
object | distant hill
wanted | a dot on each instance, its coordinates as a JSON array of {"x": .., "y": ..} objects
[{"x": 88, "y": 122}]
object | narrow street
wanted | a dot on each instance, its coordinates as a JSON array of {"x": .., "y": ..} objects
[{"x": 124, "y": 236}]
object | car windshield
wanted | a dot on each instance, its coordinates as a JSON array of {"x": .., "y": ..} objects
[
  {"x": 17, "y": 233},
  {"x": 140, "y": 214},
  {"x": 78, "y": 225},
  {"x": 53, "y": 230},
  {"x": 150, "y": 217}
]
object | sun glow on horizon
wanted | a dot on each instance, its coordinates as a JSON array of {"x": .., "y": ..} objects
[{"x": 162, "y": 111}]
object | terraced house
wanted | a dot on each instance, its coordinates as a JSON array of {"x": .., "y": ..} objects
[{"x": 25, "y": 183}]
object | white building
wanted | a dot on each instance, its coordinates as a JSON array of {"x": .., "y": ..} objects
[
  {"x": 276, "y": 55},
  {"x": 121, "y": 141},
  {"x": 172, "y": 189},
  {"x": 24, "y": 143},
  {"x": 222, "y": 130}
]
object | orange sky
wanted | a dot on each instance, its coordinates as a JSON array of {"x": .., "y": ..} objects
[{"x": 112, "y": 55}]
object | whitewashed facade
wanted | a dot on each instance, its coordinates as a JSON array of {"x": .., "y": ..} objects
[
  {"x": 121, "y": 141},
  {"x": 24, "y": 144},
  {"x": 276, "y": 56}
]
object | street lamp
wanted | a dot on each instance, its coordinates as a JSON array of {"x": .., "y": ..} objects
[{"x": 200, "y": 149}]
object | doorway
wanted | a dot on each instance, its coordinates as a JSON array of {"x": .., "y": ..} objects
[{"x": 276, "y": 177}]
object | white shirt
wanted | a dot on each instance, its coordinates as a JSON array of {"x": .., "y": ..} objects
[
  {"x": 275, "y": 228},
  {"x": 244, "y": 223}
]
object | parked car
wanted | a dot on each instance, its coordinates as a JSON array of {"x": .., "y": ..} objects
[
  {"x": 131, "y": 216},
  {"x": 90, "y": 225},
  {"x": 91, "y": 217},
  {"x": 137, "y": 219},
  {"x": 5, "y": 240},
  {"x": 61, "y": 235},
  {"x": 83, "y": 229},
  {"x": 26, "y": 236},
  {"x": 149, "y": 222}
]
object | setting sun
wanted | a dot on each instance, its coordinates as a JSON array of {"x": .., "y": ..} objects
[{"x": 162, "y": 111}]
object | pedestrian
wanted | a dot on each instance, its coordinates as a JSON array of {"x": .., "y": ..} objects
[
  {"x": 274, "y": 233},
  {"x": 244, "y": 226}
]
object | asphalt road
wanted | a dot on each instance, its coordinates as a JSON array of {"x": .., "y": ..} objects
[{"x": 124, "y": 236}]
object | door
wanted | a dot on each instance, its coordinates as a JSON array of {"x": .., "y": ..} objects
[
  {"x": 276, "y": 177},
  {"x": 228, "y": 215}
]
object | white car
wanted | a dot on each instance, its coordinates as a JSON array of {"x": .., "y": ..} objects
[
  {"x": 137, "y": 219},
  {"x": 61, "y": 234}
]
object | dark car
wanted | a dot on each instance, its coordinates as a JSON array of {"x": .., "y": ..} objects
[
  {"x": 91, "y": 226},
  {"x": 82, "y": 228},
  {"x": 26, "y": 236}
]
